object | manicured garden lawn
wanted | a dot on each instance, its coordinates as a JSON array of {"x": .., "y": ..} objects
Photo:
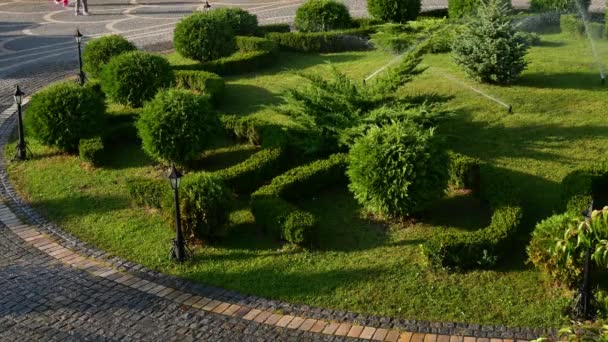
[{"x": 362, "y": 264}]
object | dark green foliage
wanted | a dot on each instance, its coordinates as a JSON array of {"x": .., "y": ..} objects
[
  {"x": 272, "y": 210},
  {"x": 544, "y": 238},
  {"x": 204, "y": 37},
  {"x": 366, "y": 22},
  {"x": 431, "y": 35},
  {"x": 204, "y": 203},
  {"x": 255, "y": 130},
  {"x": 583, "y": 185},
  {"x": 281, "y": 28},
  {"x": 150, "y": 193},
  {"x": 485, "y": 247},
  {"x": 335, "y": 41},
  {"x": 462, "y": 8},
  {"x": 98, "y": 52},
  {"x": 321, "y": 16},
  {"x": 200, "y": 81},
  {"x": 133, "y": 78},
  {"x": 572, "y": 25},
  {"x": 464, "y": 172},
  {"x": 489, "y": 49},
  {"x": 596, "y": 30},
  {"x": 120, "y": 128},
  {"x": 63, "y": 113},
  {"x": 528, "y": 38},
  {"x": 91, "y": 151},
  {"x": 238, "y": 63},
  {"x": 251, "y": 44},
  {"x": 396, "y": 11},
  {"x": 177, "y": 125},
  {"x": 558, "y": 6},
  {"x": 253, "y": 172},
  {"x": 397, "y": 170},
  {"x": 242, "y": 22}
]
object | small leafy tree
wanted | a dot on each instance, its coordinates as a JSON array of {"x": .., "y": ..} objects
[
  {"x": 396, "y": 11},
  {"x": 322, "y": 15},
  {"x": 489, "y": 49}
]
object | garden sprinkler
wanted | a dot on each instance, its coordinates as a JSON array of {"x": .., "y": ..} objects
[
  {"x": 510, "y": 109},
  {"x": 603, "y": 79}
]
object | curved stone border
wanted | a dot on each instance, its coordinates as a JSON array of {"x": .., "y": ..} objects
[{"x": 52, "y": 240}]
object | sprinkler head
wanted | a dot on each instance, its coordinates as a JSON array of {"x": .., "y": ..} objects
[{"x": 510, "y": 109}]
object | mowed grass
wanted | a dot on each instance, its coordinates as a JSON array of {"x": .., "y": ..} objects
[{"x": 363, "y": 265}]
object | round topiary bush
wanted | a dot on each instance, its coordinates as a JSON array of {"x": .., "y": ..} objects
[
  {"x": 98, "y": 52},
  {"x": 396, "y": 11},
  {"x": 242, "y": 22},
  {"x": 135, "y": 77},
  {"x": 322, "y": 15},
  {"x": 204, "y": 37},
  {"x": 397, "y": 170},
  {"x": 177, "y": 125},
  {"x": 63, "y": 113}
]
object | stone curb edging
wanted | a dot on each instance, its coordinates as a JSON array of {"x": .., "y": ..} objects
[{"x": 73, "y": 252}]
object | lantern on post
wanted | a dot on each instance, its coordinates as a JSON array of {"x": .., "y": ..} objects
[
  {"x": 21, "y": 145},
  {"x": 178, "y": 252}
]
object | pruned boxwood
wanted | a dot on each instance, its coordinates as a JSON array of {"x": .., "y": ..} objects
[
  {"x": 238, "y": 63},
  {"x": 63, "y": 113},
  {"x": 98, "y": 52},
  {"x": 204, "y": 37},
  {"x": 242, "y": 22},
  {"x": 148, "y": 192},
  {"x": 335, "y": 41},
  {"x": 463, "y": 172},
  {"x": 273, "y": 211},
  {"x": 396, "y": 11},
  {"x": 255, "y": 130},
  {"x": 251, "y": 44},
  {"x": 321, "y": 16},
  {"x": 201, "y": 81},
  {"x": 91, "y": 150},
  {"x": 582, "y": 186},
  {"x": 484, "y": 247},
  {"x": 265, "y": 29}
]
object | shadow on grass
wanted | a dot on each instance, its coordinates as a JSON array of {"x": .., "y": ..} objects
[
  {"x": 460, "y": 210},
  {"x": 544, "y": 43},
  {"x": 77, "y": 205},
  {"x": 224, "y": 157},
  {"x": 245, "y": 99},
  {"x": 125, "y": 156},
  {"x": 566, "y": 80}
]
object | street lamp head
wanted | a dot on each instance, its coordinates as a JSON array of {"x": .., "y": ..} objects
[
  {"x": 19, "y": 96},
  {"x": 78, "y": 36},
  {"x": 175, "y": 177}
]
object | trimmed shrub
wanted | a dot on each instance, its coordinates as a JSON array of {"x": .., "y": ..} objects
[
  {"x": 464, "y": 172},
  {"x": 204, "y": 37},
  {"x": 63, "y": 113},
  {"x": 272, "y": 210},
  {"x": 176, "y": 126},
  {"x": 366, "y": 22},
  {"x": 396, "y": 11},
  {"x": 251, "y": 44},
  {"x": 242, "y": 22},
  {"x": 321, "y": 16},
  {"x": 528, "y": 38},
  {"x": 582, "y": 186},
  {"x": 255, "y": 130},
  {"x": 204, "y": 204},
  {"x": 544, "y": 238},
  {"x": 133, "y": 78},
  {"x": 253, "y": 172},
  {"x": 335, "y": 41},
  {"x": 397, "y": 170},
  {"x": 462, "y": 8},
  {"x": 281, "y": 28},
  {"x": 572, "y": 25},
  {"x": 98, "y": 52},
  {"x": 200, "y": 81},
  {"x": 239, "y": 63},
  {"x": 91, "y": 151},
  {"x": 489, "y": 49},
  {"x": 148, "y": 192}
]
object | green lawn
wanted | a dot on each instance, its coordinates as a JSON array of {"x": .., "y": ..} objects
[{"x": 364, "y": 265}]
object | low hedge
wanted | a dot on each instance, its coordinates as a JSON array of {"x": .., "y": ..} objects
[
  {"x": 254, "y": 130},
  {"x": 254, "y": 171},
  {"x": 484, "y": 247},
  {"x": 333, "y": 41},
  {"x": 271, "y": 207},
  {"x": 91, "y": 150},
  {"x": 463, "y": 172},
  {"x": 238, "y": 63},
  {"x": 572, "y": 25},
  {"x": 583, "y": 185},
  {"x": 200, "y": 81},
  {"x": 148, "y": 192},
  {"x": 265, "y": 29},
  {"x": 252, "y": 44}
]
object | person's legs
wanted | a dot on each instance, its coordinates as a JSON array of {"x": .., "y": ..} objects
[
  {"x": 85, "y": 7},
  {"x": 77, "y": 6}
]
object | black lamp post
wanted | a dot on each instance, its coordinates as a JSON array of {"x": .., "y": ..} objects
[
  {"x": 178, "y": 251},
  {"x": 81, "y": 77},
  {"x": 207, "y": 6},
  {"x": 585, "y": 295},
  {"x": 21, "y": 147}
]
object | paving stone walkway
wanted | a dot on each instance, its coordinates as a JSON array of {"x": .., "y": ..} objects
[{"x": 54, "y": 287}]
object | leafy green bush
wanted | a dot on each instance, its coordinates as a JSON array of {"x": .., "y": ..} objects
[
  {"x": 204, "y": 37},
  {"x": 134, "y": 77},
  {"x": 204, "y": 204},
  {"x": 528, "y": 38},
  {"x": 582, "y": 186},
  {"x": 489, "y": 49},
  {"x": 255, "y": 130},
  {"x": 542, "y": 250},
  {"x": 238, "y": 63},
  {"x": 253, "y": 172},
  {"x": 281, "y": 28},
  {"x": 334, "y": 41},
  {"x": 464, "y": 172},
  {"x": 98, "y": 52},
  {"x": 396, "y": 11},
  {"x": 462, "y": 8},
  {"x": 242, "y": 22},
  {"x": 272, "y": 210},
  {"x": 177, "y": 125},
  {"x": 200, "y": 81},
  {"x": 572, "y": 25},
  {"x": 397, "y": 170},
  {"x": 148, "y": 192},
  {"x": 322, "y": 15},
  {"x": 251, "y": 44},
  {"x": 63, "y": 113},
  {"x": 91, "y": 150}
]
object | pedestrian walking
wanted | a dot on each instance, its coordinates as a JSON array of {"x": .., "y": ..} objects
[
  {"x": 64, "y": 2},
  {"x": 83, "y": 4}
]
